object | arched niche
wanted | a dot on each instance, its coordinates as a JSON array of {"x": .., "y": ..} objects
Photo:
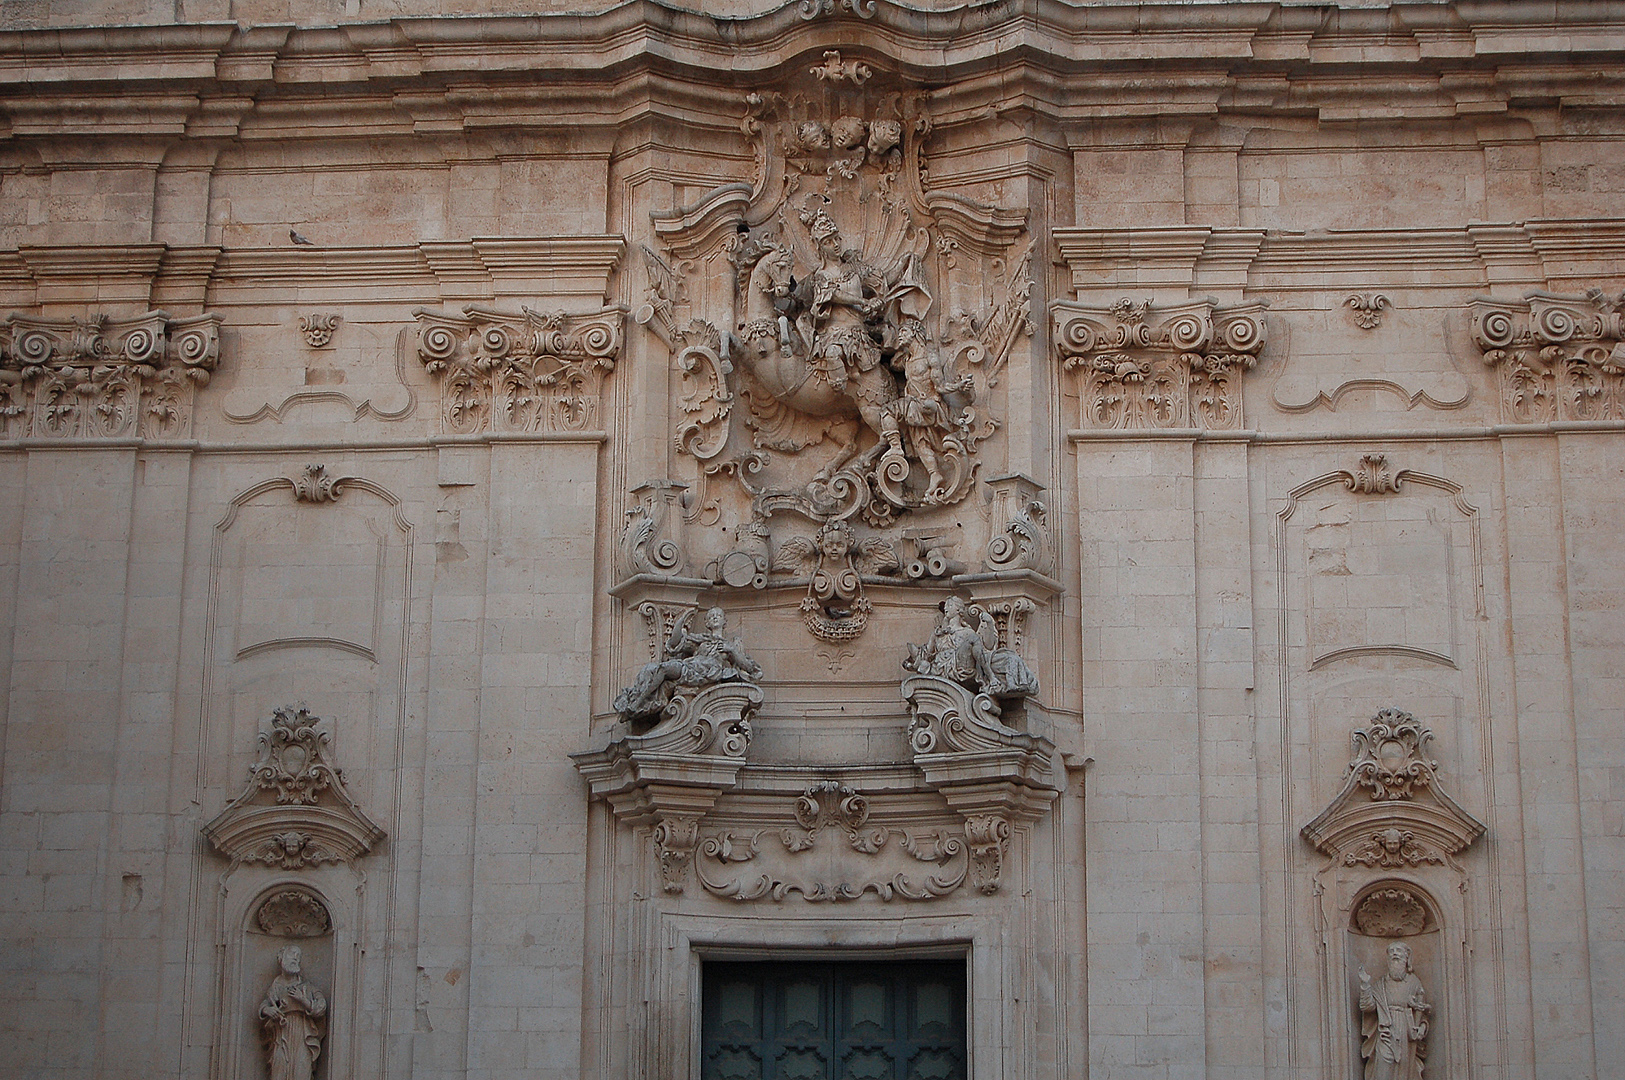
[
  {"x": 263, "y": 910},
  {"x": 1391, "y": 838}
]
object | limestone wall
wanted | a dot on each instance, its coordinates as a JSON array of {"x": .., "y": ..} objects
[{"x": 1257, "y": 371}]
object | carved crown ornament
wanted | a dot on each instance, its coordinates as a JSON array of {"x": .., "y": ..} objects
[
  {"x": 1391, "y": 811},
  {"x": 1558, "y": 357},
  {"x": 839, "y": 330},
  {"x": 100, "y": 377},
  {"x": 524, "y": 372},
  {"x": 295, "y": 810},
  {"x": 1140, "y": 366}
]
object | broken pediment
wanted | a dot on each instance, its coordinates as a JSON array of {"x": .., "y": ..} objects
[
  {"x": 1392, "y": 811},
  {"x": 295, "y": 810}
]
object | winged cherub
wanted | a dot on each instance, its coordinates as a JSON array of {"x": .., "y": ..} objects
[{"x": 837, "y": 559}]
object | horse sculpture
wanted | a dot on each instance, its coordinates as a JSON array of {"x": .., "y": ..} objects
[{"x": 815, "y": 345}]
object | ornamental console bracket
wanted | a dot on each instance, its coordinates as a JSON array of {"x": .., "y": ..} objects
[
  {"x": 295, "y": 811},
  {"x": 672, "y": 774},
  {"x": 994, "y": 776}
]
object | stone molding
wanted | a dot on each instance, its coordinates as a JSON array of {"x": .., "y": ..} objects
[
  {"x": 295, "y": 810},
  {"x": 101, "y": 377},
  {"x": 519, "y": 372},
  {"x": 671, "y": 775},
  {"x": 1145, "y": 366},
  {"x": 1557, "y": 357}
]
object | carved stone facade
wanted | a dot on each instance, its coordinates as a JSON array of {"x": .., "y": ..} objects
[{"x": 515, "y": 512}]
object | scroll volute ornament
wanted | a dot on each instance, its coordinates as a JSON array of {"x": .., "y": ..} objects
[
  {"x": 1142, "y": 366},
  {"x": 1392, "y": 811},
  {"x": 1558, "y": 357},
  {"x": 519, "y": 372},
  {"x": 295, "y": 810},
  {"x": 100, "y": 377}
]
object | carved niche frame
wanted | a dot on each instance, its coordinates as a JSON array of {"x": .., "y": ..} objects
[{"x": 1392, "y": 829}]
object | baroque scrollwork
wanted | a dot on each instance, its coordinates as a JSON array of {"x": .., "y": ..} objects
[
  {"x": 1172, "y": 367},
  {"x": 1392, "y": 811},
  {"x": 525, "y": 372},
  {"x": 1558, "y": 357},
  {"x": 738, "y": 865},
  {"x": 1391, "y": 756},
  {"x": 99, "y": 377},
  {"x": 838, "y": 331},
  {"x": 295, "y": 810}
]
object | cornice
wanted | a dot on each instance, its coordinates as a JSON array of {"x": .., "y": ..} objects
[{"x": 1406, "y": 60}]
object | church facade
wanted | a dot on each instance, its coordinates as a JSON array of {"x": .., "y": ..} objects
[{"x": 842, "y": 539}]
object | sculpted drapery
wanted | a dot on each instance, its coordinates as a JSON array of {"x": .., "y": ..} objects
[
  {"x": 1393, "y": 1019},
  {"x": 293, "y": 1018}
]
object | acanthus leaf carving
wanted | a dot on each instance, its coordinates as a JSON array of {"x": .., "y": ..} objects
[
  {"x": 1374, "y": 476},
  {"x": 1171, "y": 367},
  {"x": 526, "y": 372},
  {"x": 295, "y": 810},
  {"x": 315, "y": 486},
  {"x": 1367, "y": 308},
  {"x": 100, "y": 377},
  {"x": 318, "y": 328},
  {"x": 1559, "y": 357}
]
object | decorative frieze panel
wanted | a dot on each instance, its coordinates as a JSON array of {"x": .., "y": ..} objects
[
  {"x": 100, "y": 377},
  {"x": 524, "y": 372},
  {"x": 1140, "y": 366},
  {"x": 1557, "y": 357},
  {"x": 295, "y": 810}
]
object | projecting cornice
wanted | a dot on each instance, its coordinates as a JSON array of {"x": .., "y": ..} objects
[{"x": 1411, "y": 60}]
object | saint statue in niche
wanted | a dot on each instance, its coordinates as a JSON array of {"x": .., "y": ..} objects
[
  {"x": 689, "y": 660},
  {"x": 1393, "y": 1019},
  {"x": 970, "y": 655},
  {"x": 293, "y": 1019}
]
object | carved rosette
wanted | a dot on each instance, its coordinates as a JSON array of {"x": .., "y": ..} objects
[
  {"x": 295, "y": 810},
  {"x": 1172, "y": 367},
  {"x": 1391, "y": 811},
  {"x": 1558, "y": 357},
  {"x": 100, "y": 377},
  {"x": 671, "y": 775},
  {"x": 525, "y": 372},
  {"x": 994, "y": 776}
]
